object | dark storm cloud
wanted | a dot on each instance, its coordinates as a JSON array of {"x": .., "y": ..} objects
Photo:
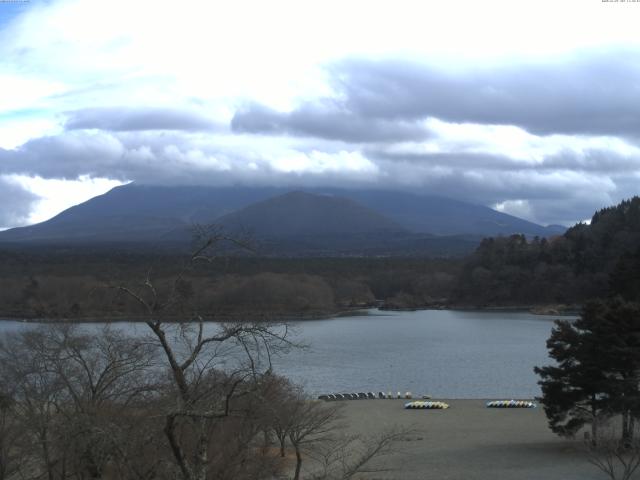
[
  {"x": 591, "y": 94},
  {"x": 138, "y": 118},
  {"x": 328, "y": 120},
  {"x": 16, "y": 204}
]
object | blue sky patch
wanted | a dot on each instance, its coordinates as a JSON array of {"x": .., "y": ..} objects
[{"x": 9, "y": 9}]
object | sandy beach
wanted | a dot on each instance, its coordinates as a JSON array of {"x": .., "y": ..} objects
[{"x": 471, "y": 442}]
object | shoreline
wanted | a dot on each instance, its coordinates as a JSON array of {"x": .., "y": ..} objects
[
  {"x": 548, "y": 310},
  {"x": 542, "y": 309},
  {"x": 281, "y": 318}
]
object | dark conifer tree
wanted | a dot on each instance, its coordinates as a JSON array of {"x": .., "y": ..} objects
[
  {"x": 625, "y": 278},
  {"x": 597, "y": 374}
]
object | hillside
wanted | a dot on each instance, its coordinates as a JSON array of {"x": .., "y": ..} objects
[
  {"x": 445, "y": 216},
  {"x": 588, "y": 261},
  {"x": 137, "y": 213},
  {"x": 309, "y": 224},
  {"x": 301, "y": 213},
  {"x": 368, "y": 221}
]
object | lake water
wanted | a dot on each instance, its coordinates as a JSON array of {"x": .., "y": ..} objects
[{"x": 445, "y": 353}]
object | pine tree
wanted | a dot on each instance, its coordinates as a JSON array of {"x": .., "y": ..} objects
[
  {"x": 625, "y": 278},
  {"x": 597, "y": 374}
]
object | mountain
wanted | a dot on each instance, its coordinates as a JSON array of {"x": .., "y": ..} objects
[
  {"x": 445, "y": 216},
  {"x": 137, "y": 213},
  {"x": 301, "y": 223},
  {"x": 302, "y": 213},
  {"x": 150, "y": 214}
]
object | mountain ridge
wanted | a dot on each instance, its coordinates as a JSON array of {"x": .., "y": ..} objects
[
  {"x": 141, "y": 213},
  {"x": 303, "y": 213}
]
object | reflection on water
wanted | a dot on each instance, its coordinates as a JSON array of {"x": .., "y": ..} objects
[{"x": 448, "y": 354}]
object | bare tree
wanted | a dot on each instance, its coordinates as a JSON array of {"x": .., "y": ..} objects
[
  {"x": 11, "y": 459},
  {"x": 315, "y": 429},
  {"x": 37, "y": 394},
  {"x": 310, "y": 423},
  {"x": 70, "y": 390},
  {"x": 210, "y": 367},
  {"x": 345, "y": 456},
  {"x": 618, "y": 458},
  {"x": 283, "y": 402}
]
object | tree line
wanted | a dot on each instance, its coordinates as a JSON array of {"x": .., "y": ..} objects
[
  {"x": 75, "y": 285},
  {"x": 589, "y": 261}
]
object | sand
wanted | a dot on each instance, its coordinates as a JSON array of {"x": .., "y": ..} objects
[{"x": 471, "y": 442}]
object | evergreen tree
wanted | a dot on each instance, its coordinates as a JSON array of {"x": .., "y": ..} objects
[
  {"x": 588, "y": 261},
  {"x": 625, "y": 278},
  {"x": 597, "y": 374}
]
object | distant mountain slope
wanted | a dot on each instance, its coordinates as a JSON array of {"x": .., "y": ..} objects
[
  {"x": 138, "y": 213},
  {"x": 148, "y": 213},
  {"x": 444, "y": 216},
  {"x": 301, "y": 213}
]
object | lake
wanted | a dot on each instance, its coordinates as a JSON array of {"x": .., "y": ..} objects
[{"x": 445, "y": 353}]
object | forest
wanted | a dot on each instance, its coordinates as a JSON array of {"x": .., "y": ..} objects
[
  {"x": 589, "y": 261},
  {"x": 592, "y": 260},
  {"x": 78, "y": 285}
]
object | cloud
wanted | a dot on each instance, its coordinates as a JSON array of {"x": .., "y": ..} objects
[
  {"x": 602, "y": 161},
  {"x": 139, "y": 118},
  {"x": 557, "y": 188},
  {"x": 328, "y": 120},
  {"x": 57, "y": 195},
  {"x": 591, "y": 94},
  {"x": 543, "y": 194},
  {"x": 65, "y": 156},
  {"x": 446, "y": 160},
  {"x": 182, "y": 158},
  {"x": 95, "y": 94},
  {"x": 17, "y": 203},
  {"x": 588, "y": 161},
  {"x": 586, "y": 94}
]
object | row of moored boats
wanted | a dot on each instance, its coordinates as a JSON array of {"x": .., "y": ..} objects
[
  {"x": 366, "y": 396},
  {"x": 420, "y": 404},
  {"x": 511, "y": 404},
  {"x": 491, "y": 404}
]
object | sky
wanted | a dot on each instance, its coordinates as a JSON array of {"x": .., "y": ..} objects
[{"x": 529, "y": 107}]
